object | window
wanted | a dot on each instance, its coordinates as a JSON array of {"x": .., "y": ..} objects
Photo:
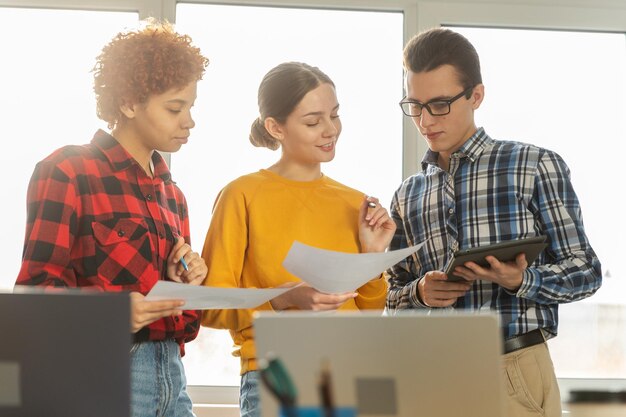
[
  {"x": 565, "y": 91},
  {"x": 40, "y": 78},
  {"x": 47, "y": 99},
  {"x": 243, "y": 43}
]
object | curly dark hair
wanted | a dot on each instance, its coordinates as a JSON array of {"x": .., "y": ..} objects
[{"x": 139, "y": 63}]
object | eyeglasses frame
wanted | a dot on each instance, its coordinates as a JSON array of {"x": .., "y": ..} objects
[{"x": 449, "y": 101}]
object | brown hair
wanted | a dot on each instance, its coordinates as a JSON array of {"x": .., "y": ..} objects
[
  {"x": 137, "y": 64},
  {"x": 433, "y": 48},
  {"x": 280, "y": 91}
]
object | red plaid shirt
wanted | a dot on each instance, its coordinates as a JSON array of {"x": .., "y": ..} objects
[{"x": 96, "y": 219}]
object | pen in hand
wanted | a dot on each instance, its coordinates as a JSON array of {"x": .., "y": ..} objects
[
  {"x": 182, "y": 260},
  {"x": 184, "y": 263}
]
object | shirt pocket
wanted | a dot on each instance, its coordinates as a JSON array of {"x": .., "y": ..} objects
[{"x": 123, "y": 252}]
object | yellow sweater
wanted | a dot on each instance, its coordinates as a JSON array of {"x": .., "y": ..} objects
[{"x": 255, "y": 220}]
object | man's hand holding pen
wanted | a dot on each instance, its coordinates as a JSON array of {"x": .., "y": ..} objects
[{"x": 376, "y": 228}]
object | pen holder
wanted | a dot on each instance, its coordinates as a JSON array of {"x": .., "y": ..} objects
[{"x": 318, "y": 412}]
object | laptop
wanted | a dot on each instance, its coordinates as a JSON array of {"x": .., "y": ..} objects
[
  {"x": 64, "y": 354},
  {"x": 406, "y": 365}
]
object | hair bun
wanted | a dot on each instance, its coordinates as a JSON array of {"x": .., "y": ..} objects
[{"x": 260, "y": 137}]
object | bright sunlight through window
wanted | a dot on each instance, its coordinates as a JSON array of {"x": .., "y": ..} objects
[
  {"x": 47, "y": 99},
  {"x": 564, "y": 91},
  {"x": 243, "y": 43}
]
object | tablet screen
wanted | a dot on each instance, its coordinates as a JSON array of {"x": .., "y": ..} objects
[{"x": 503, "y": 251}]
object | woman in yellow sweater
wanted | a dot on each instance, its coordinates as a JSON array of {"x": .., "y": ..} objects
[{"x": 257, "y": 217}]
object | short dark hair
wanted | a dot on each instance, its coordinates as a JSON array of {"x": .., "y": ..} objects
[
  {"x": 280, "y": 91},
  {"x": 433, "y": 48}
]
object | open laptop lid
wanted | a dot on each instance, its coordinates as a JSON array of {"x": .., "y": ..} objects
[
  {"x": 408, "y": 365},
  {"x": 64, "y": 354}
]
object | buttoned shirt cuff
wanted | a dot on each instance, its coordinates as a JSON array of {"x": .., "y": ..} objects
[
  {"x": 415, "y": 297},
  {"x": 530, "y": 284}
]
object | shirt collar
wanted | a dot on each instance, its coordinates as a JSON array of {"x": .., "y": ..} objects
[
  {"x": 120, "y": 159},
  {"x": 471, "y": 149}
]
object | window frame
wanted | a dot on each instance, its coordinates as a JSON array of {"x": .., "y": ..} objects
[
  {"x": 592, "y": 15},
  {"x": 582, "y": 15},
  {"x": 587, "y": 15}
]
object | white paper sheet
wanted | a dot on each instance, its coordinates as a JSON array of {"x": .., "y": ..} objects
[
  {"x": 338, "y": 272},
  {"x": 204, "y": 298}
]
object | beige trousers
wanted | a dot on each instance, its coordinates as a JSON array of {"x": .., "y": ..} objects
[{"x": 530, "y": 383}]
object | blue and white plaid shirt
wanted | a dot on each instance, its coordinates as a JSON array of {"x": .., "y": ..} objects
[{"x": 495, "y": 191}]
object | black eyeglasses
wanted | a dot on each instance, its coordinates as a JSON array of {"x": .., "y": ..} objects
[{"x": 437, "y": 107}]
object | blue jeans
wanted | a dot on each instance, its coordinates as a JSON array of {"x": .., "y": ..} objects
[
  {"x": 158, "y": 382},
  {"x": 249, "y": 395}
]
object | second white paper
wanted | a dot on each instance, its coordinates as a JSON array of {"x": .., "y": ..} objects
[
  {"x": 337, "y": 272},
  {"x": 198, "y": 297}
]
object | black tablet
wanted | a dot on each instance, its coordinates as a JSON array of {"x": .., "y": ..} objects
[{"x": 503, "y": 251}]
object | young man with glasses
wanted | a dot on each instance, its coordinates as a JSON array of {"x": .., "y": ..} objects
[{"x": 475, "y": 191}]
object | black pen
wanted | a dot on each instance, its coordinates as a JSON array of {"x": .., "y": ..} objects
[{"x": 325, "y": 390}]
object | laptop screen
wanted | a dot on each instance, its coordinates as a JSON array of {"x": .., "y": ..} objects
[
  {"x": 64, "y": 354},
  {"x": 406, "y": 365}
]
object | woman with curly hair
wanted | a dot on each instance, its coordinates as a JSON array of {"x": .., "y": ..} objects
[{"x": 107, "y": 215}]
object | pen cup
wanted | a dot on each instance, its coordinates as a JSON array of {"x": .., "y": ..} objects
[{"x": 318, "y": 412}]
